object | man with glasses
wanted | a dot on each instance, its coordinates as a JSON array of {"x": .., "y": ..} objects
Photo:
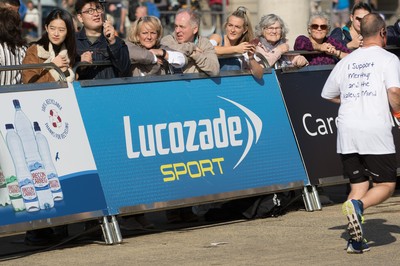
[
  {"x": 97, "y": 41},
  {"x": 366, "y": 84}
]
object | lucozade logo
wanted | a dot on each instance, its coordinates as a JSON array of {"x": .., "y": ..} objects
[{"x": 191, "y": 136}]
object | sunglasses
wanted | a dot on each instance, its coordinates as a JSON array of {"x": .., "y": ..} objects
[
  {"x": 316, "y": 27},
  {"x": 359, "y": 19}
]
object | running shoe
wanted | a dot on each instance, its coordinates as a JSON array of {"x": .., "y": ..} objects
[
  {"x": 353, "y": 211},
  {"x": 356, "y": 247}
]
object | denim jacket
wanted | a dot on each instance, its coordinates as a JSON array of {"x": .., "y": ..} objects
[{"x": 117, "y": 53}]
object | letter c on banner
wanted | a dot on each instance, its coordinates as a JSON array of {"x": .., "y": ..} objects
[{"x": 305, "y": 126}]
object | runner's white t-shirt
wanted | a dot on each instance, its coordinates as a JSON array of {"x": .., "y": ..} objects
[{"x": 364, "y": 120}]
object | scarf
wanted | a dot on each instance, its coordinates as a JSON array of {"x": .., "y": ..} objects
[
  {"x": 49, "y": 55},
  {"x": 268, "y": 47}
]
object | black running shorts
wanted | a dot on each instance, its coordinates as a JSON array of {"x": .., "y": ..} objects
[{"x": 358, "y": 168}]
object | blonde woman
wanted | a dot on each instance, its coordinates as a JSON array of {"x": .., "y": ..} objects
[
  {"x": 148, "y": 57},
  {"x": 238, "y": 33}
]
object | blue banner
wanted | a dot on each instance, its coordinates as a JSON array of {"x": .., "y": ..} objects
[{"x": 170, "y": 140}]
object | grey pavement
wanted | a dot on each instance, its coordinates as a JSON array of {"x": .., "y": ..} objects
[{"x": 297, "y": 237}]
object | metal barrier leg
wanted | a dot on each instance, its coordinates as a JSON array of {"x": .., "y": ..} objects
[
  {"x": 307, "y": 200},
  {"x": 315, "y": 199},
  {"x": 111, "y": 232},
  {"x": 107, "y": 233},
  {"x": 117, "y": 233}
]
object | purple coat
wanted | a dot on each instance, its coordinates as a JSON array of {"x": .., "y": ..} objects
[{"x": 304, "y": 43}]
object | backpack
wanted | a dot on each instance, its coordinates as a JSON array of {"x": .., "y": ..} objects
[{"x": 270, "y": 205}]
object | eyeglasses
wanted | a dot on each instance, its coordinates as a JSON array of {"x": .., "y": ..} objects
[
  {"x": 273, "y": 29},
  {"x": 316, "y": 27},
  {"x": 90, "y": 11}
]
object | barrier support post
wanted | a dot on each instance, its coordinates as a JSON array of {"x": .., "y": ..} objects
[
  {"x": 311, "y": 199},
  {"x": 315, "y": 198},
  {"x": 307, "y": 200},
  {"x": 112, "y": 234}
]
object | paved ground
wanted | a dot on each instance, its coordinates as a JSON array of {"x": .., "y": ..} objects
[{"x": 298, "y": 237}]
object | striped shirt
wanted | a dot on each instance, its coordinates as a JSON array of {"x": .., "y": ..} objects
[{"x": 8, "y": 58}]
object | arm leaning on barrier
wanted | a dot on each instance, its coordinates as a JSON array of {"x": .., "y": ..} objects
[
  {"x": 205, "y": 57},
  {"x": 257, "y": 63}
]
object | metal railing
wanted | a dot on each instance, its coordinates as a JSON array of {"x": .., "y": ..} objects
[{"x": 35, "y": 66}]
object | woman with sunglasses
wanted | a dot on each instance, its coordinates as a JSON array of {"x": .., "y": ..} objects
[
  {"x": 271, "y": 43},
  {"x": 148, "y": 57},
  {"x": 56, "y": 46},
  {"x": 331, "y": 51},
  {"x": 350, "y": 35}
]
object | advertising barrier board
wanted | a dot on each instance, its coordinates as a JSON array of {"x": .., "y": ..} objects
[
  {"x": 47, "y": 167},
  {"x": 313, "y": 121},
  {"x": 175, "y": 140}
]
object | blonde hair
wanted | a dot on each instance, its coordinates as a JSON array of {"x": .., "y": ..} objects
[
  {"x": 154, "y": 22},
  {"x": 241, "y": 12}
]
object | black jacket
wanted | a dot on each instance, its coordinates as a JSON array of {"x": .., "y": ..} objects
[
  {"x": 342, "y": 35},
  {"x": 393, "y": 34},
  {"x": 117, "y": 53}
]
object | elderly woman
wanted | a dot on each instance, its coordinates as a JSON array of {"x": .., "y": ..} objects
[
  {"x": 331, "y": 49},
  {"x": 148, "y": 57},
  {"x": 272, "y": 44}
]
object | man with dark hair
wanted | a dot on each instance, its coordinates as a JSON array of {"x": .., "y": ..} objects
[
  {"x": 366, "y": 84},
  {"x": 199, "y": 52},
  {"x": 97, "y": 41}
]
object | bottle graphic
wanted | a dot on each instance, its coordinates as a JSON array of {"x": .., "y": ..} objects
[
  {"x": 32, "y": 158},
  {"x": 8, "y": 170},
  {"x": 4, "y": 198},
  {"x": 24, "y": 177},
  {"x": 45, "y": 154}
]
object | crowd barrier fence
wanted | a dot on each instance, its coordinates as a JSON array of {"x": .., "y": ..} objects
[{"x": 140, "y": 144}]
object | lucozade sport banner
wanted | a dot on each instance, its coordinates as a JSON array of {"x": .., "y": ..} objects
[{"x": 163, "y": 141}]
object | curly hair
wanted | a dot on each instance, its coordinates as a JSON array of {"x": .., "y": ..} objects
[{"x": 10, "y": 29}]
